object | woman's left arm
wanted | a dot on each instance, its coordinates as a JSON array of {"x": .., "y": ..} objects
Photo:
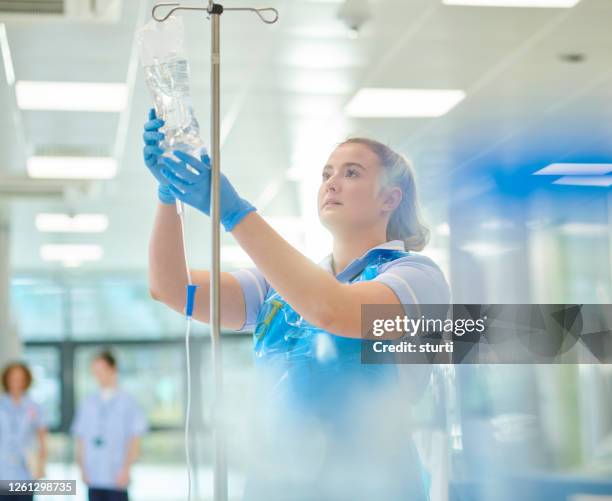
[
  {"x": 42, "y": 452},
  {"x": 310, "y": 290}
]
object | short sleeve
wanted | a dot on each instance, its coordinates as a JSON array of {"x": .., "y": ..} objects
[
  {"x": 138, "y": 425},
  {"x": 255, "y": 288},
  {"x": 415, "y": 280}
]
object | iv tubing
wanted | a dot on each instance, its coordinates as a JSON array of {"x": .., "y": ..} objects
[{"x": 181, "y": 214}]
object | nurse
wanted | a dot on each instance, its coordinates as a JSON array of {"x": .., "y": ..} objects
[
  {"x": 331, "y": 427},
  {"x": 22, "y": 429},
  {"x": 108, "y": 427}
]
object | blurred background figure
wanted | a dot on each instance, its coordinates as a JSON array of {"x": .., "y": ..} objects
[
  {"x": 23, "y": 449},
  {"x": 108, "y": 427}
]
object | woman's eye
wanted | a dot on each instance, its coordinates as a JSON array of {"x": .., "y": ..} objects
[
  {"x": 351, "y": 172},
  {"x": 325, "y": 175}
]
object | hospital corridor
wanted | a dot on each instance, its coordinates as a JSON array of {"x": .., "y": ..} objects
[{"x": 305, "y": 250}]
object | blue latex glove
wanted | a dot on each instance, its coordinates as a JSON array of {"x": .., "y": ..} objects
[
  {"x": 194, "y": 189},
  {"x": 152, "y": 154}
]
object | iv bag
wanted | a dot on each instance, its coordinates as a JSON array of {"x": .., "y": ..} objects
[{"x": 166, "y": 69}]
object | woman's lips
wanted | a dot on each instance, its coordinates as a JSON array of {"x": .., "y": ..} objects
[{"x": 331, "y": 202}]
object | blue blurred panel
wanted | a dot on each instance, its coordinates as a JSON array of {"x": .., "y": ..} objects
[
  {"x": 530, "y": 488},
  {"x": 37, "y": 308},
  {"x": 123, "y": 309},
  {"x": 92, "y": 308}
]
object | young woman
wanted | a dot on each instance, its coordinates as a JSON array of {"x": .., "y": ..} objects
[
  {"x": 332, "y": 426},
  {"x": 22, "y": 429}
]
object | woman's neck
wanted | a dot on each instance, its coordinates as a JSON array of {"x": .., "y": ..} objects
[
  {"x": 16, "y": 397},
  {"x": 348, "y": 248}
]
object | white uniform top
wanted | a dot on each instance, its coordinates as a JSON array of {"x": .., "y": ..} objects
[{"x": 106, "y": 426}]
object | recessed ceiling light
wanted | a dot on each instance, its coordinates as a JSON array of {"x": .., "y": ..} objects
[
  {"x": 574, "y": 169},
  {"x": 71, "y": 253},
  {"x": 71, "y": 96},
  {"x": 80, "y": 223},
  {"x": 599, "y": 181},
  {"x": 560, "y": 4},
  {"x": 72, "y": 167},
  {"x": 389, "y": 103}
]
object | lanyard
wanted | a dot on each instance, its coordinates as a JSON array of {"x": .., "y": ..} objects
[{"x": 104, "y": 409}]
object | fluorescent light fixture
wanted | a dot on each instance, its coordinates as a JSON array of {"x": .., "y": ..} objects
[
  {"x": 559, "y": 4},
  {"x": 72, "y": 167},
  {"x": 72, "y": 264},
  {"x": 63, "y": 223},
  {"x": 600, "y": 181},
  {"x": 497, "y": 224},
  {"x": 71, "y": 253},
  {"x": 389, "y": 103},
  {"x": 7, "y": 59},
  {"x": 575, "y": 169},
  {"x": 585, "y": 229},
  {"x": 486, "y": 249},
  {"x": 71, "y": 96}
]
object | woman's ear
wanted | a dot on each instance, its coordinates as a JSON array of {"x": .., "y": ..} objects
[{"x": 392, "y": 198}]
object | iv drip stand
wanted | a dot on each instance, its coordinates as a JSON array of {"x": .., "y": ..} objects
[{"x": 214, "y": 11}]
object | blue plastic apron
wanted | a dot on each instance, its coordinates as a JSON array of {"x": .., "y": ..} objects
[{"x": 313, "y": 376}]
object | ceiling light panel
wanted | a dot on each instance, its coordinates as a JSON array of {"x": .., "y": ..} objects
[
  {"x": 71, "y": 96},
  {"x": 597, "y": 181},
  {"x": 72, "y": 167},
  {"x": 64, "y": 223},
  {"x": 71, "y": 253},
  {"x": 556, "y": 4},
  {"x": 397, "y": 103},
  {"x": 574, "y": 169}
]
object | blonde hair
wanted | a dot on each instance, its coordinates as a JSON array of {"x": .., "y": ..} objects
[{"x": 406, "y": 222}]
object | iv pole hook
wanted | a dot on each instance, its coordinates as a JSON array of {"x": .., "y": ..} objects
[{"x": 262, "y": 13}]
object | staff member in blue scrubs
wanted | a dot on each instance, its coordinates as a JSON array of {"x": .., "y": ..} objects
[
  {"x": 330, "y": 427},
  {"x": 22, "y": 429},
  {"x": 108, "y": 427}
]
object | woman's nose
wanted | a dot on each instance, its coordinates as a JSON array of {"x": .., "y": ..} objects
[{"x": 331, "y": 184}]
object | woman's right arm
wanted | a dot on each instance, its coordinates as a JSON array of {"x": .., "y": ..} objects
[
  {"x": 167, "y": 273},
  {"x": 168, "y": 276}
]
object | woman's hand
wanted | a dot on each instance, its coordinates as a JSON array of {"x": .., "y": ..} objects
[
  {"x": 193, "y": 188},
  {"x": 123, "y": 478},
  {"x": 152, "y": 154}
]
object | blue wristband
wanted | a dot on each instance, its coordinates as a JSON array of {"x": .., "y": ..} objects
[{"x": 231, "y": 220}]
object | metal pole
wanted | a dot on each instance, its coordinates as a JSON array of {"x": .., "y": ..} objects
[{"x": 220, "y": 467}]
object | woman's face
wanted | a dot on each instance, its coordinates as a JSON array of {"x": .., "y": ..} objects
[
  {"x": 349, "y": 197},
  {"x": 17, "y": 381}
]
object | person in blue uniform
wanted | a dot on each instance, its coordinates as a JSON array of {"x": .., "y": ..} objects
[
  {"x": 108, "y": 427},
  {"x": 22, "y": 429},
  {"x": 328, "y": 426}
]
